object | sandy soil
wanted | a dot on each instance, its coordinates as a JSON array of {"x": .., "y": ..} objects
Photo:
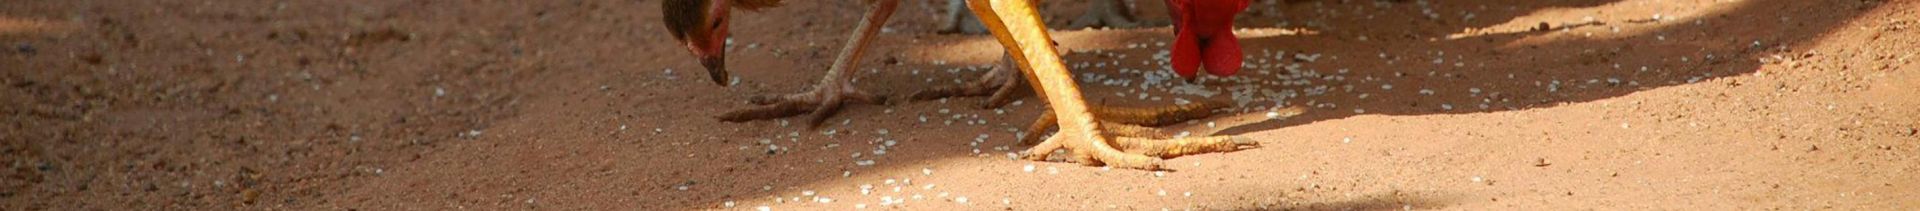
[{"x": 588, "y": 104}]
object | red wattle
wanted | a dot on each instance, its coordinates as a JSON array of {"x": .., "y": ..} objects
[
  {"x": 1204, "y": 36},
  {"x": 1186, "y": 54},
  {"x": 1222, "y": 54}
]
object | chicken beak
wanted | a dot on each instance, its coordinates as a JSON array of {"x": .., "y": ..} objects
[{"x": 716, "y": 68}]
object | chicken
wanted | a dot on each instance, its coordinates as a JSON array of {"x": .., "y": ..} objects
[
  {"x": 701, "y": 25},
  {"x": 1084, "y": 129}
]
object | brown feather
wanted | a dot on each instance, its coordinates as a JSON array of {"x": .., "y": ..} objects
[{"x": 683, "y": 16}]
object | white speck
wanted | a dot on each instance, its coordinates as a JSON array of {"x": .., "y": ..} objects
[
  {"x": 927, "y": 171},
  {"x": 860, "y": 206},
  {"x": 1187, "y": 194},
  {"x": 1386, "y": 86},
  {"x": 1159, "y": 174},
  {"x": 961, "y": 199},
  {"x": 1426, "y": 91},
  {"x": 437, "y": 92},
  {"x": 1273, "y": 115},
  {"x": 728, "y": 204},
  {"x": 763, "y": 208},
  {"x": 1448, "y": 107},
  {"x": 1477, "y": 179},
  {"x": 1161, "y": 193},
  {"x": 1346, "y": 140},
  {"x": 1307, "y": 58},
  {"x": 1029, "y": 168}
]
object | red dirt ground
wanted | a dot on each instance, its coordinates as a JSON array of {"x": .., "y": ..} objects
[{"x": 588, "y": 104}]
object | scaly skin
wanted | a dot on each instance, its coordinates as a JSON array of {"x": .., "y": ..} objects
[
  {"x": 835, "y": 88},
  {"x": 999, "y": 84},
  {"x": 1137, "y": 117},
  {"x": 1164, "y": 142},
  {"x": 1017, "y": 26}
]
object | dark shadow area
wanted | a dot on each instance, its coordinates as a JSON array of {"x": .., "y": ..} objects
[
  {"x": 315, "y": 150},
  {"x": 1422, "y": 71},
  {"x": 1548, "y": 66},
  {"x": 1474, "y": 46}
]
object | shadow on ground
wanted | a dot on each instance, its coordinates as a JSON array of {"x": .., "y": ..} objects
[{"x": 424, "y": 104}]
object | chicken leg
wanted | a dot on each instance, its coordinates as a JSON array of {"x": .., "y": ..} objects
[
  {"x": 1017, "y": 26},
  {"x": 998, "y": 84},
  {"x": 835, "y": 88}
]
